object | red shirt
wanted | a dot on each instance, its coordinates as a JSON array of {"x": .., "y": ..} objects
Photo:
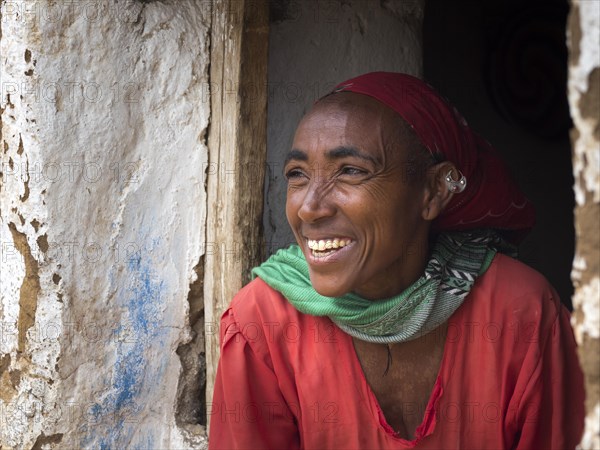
[{"x": 509, "y": 377}]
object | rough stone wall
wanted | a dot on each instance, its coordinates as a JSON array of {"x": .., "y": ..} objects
[
  {"x": 584, "y": 100},
  {"x": 104, "y": 112},
  {"x": 313, "y": 45}
]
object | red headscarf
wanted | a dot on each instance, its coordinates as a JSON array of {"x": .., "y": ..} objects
[{"x": 491, "y": 199}]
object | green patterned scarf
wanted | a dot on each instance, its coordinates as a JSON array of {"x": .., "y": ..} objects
[{"x": 458, "y": 258}]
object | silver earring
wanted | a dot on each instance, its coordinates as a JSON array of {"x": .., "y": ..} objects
[{"x": 456, "y": 187}]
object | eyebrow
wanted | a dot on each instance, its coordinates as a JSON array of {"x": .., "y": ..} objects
[
  {"x": 296, "y": 155},
  {"x": 343, "y": 152},
  {"x": 336, "y": 153}
]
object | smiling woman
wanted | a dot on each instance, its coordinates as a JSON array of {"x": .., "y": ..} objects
[
  {"x": 399, "y": 320},
  {"x": 349, "y": 184}
]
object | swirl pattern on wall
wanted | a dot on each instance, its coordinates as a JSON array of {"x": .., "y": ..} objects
[{"x": 526, "y": 69}]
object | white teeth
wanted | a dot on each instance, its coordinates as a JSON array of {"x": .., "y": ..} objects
[{"x": 327, "y": 244}]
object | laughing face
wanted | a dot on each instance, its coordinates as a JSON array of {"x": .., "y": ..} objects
[{"x": 363, "y": 227}]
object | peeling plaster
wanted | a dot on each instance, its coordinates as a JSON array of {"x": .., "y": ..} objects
[
  {"x": 591, "y": 435},
  {"x": 587, "y": 298},
  {"x": 580, "y": 72},
  {"x": 30, "y": 288},
  {"x": 584, "y": 101},
  {"x": 12, "y": 263},
  {"x": 588, "y": 173},
  {"x": 101, "y": 188},
  {"x": 589, "y": 51},
  {"x": 43, "y": 440},
  {"x": 7, "y": 387},
  {"x": 579, "y": 267}
]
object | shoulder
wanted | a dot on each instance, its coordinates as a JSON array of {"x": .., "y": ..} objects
[
  {"x": 257, "y": 301},
  {"x": 510, "y": 317},
  {"x": 262, "y": 316},
  {"x": 516, "y": 277},
  {"x": 510, "y": 291}
]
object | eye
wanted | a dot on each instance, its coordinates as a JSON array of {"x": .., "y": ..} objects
[
  {"x": 352, "y": 171},
  {"x": 294, "y": 174}
]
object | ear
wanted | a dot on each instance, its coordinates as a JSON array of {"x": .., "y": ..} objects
[{"x": 437, "y": 194}]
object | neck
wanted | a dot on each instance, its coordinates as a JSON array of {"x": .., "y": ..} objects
[{"x": 407, "y": 269}]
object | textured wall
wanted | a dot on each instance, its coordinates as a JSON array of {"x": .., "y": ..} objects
[
  {"x": 584, "y": 100},
  {"x": 312, "y": 47},
  {"x": 104, "y": 111}
]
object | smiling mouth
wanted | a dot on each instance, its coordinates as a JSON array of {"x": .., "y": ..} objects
[{"x": 326, "y": 247}]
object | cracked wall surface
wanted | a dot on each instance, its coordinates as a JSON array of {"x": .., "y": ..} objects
[
  {"x": 104, "y": 111},
  {"x": 584, "y": 101}
]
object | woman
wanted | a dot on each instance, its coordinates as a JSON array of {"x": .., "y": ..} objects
[{"x": 399, "y": 320}]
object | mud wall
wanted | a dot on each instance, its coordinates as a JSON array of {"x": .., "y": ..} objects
[
  {"x": 104, "y": 112},
  {"x": 584, "y": 101}
]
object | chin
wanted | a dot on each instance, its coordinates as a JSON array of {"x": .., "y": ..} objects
[{"x": 328, "y": 288}]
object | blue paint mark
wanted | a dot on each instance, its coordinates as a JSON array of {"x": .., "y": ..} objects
[
  {"x": 148, "y": 444},
  {"x": 144, "y": 298}
]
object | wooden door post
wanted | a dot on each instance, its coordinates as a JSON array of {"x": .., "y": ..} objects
[{"x": 237, "y": 153}]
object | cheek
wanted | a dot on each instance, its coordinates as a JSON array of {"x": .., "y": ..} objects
[
  {"x": 394, "y": 218},
  {"x": 380, "y": 201},
  {"x": 288, "y": 212},
  {"x": 358, "y": 201},
  {"x": 292, "y": 204},
  {"x": 378, "y": 192}
]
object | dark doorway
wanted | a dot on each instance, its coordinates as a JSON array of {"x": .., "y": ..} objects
[{"x": 503, "y": 64}]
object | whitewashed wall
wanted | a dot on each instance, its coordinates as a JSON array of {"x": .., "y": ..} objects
[
  {"x": 584, "y": 101},
  {"x": 104, "y": 114}
]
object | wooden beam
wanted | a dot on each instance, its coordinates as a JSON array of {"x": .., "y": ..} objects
[{"x": 237, "y": 153}]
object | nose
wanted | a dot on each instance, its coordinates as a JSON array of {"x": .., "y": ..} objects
[{"x": 317, "y": 204}]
